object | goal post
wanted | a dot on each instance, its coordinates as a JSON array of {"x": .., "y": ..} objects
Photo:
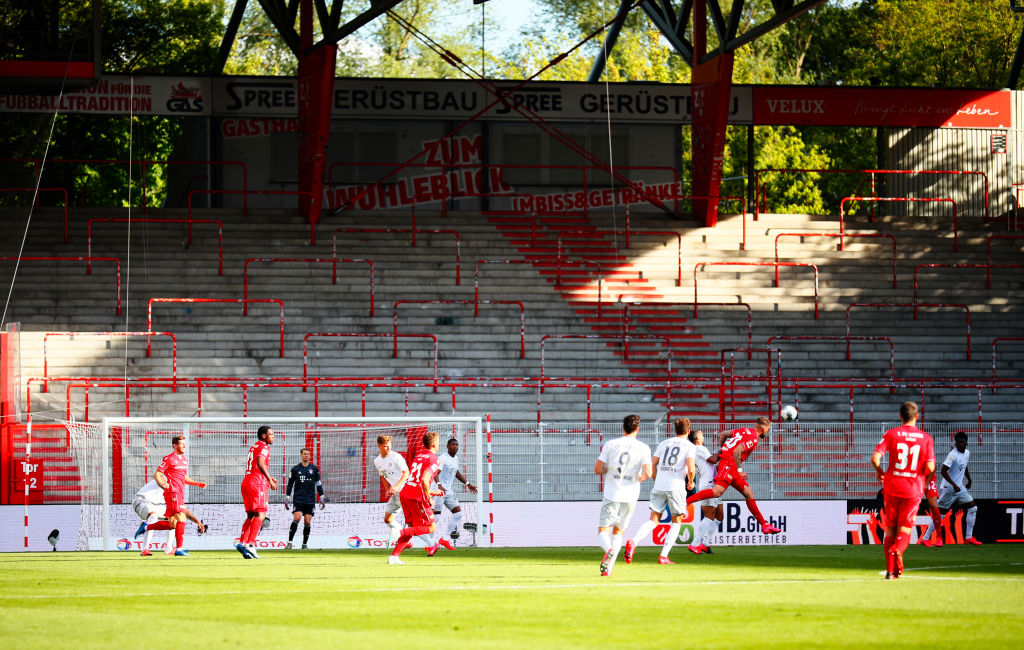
[{"x": 119, "y": 456}]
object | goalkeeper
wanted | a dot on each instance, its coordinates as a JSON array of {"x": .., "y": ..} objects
[{"x": 305, "y": 481}]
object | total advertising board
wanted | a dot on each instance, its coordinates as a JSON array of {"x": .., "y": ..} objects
[{"x": 516, "y": 524}]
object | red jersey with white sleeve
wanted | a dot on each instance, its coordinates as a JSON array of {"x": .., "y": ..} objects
[
  {"x": 422, "y": 469},
  {"x": 909, "y": 450},
  {"x": 252, "y": 469},
  {"x": 175, "y": 468},
  {"x": 745, "y": 439}
]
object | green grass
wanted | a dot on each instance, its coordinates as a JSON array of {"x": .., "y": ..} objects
[{"x": 824, "y": 596}]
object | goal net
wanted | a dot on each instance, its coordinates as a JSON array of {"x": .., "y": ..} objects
[{"x": 117, "y": 457}]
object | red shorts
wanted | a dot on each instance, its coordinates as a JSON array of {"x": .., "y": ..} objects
[
  {"x": 254, "y": 495},
  {"x": 900, "y": 511},
  {"x": 175, "y": 502},
  {"x": 931, "y": 490},
  {"x": 416, "y": 512},
  {"x": 729, "y": 474}
]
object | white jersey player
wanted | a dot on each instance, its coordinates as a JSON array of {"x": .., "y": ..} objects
[
  {"x": 149, "y": 504},
  {"x": 956, "y": 481},
  {"x": 623, "y": 464},
  {"x": 711, "y": 508},
  {"x": 446, "y": 475},
  {"x": 674, "y": 468},
  {"x": 394, "y": 470}
]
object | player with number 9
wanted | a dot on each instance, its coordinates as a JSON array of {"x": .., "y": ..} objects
[{"x": 911, "y": 459}]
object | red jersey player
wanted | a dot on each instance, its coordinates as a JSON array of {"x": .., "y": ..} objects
[
  {"x": 255, "y": 486},
  {"x": 911, "y": 459},
  {"x": 417, "y": 497},
  {"x": 172, "y": 476},
  {"x": 735, "y": 449}
]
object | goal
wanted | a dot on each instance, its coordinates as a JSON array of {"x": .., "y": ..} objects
[{"x": 118, "y": 456}]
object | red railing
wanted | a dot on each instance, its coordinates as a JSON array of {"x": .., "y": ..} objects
[
  {"x": 847, "y": 339},
  {"x": 305, "y": 346},
  {"x": 475, "y": 303},
  {"x": 88, "y": 270},
  {"x": 914, "y": 306},
  {"x": 996, "y": 341},
  {"x": 771, "y": 381},
  {"x": 988, "y": 255},
  {"x": 476, "y": 278},
  {"x": 220, "y": 233},
  {"x": 148, "y": 334},
  {"x": 638, "y": 301},
  {"x": 600, "y": 282},
  {"x": 693, "y": 384},
  {"x": 142, "y": 163},
  {"x": 700, "y": 265},
  {"x": 414, "y": 231},
  {"x": 762, "y": 193},
  {"x": 244, "y": 301},
  {"x": 333, "y": 261},
  {"x": 60, "y": 190},
  {"x": 840, "y": 235},
  {"x": 876, "y": 199}
]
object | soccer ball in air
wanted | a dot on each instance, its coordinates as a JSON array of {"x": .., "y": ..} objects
[{"x": 788, "y": 412}]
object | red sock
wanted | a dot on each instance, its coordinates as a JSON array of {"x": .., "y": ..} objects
[
  {"x": 752, "y": 507},
  {"x": 255, "y": 526},
  {"x": 401, "y": 545},
  {"x": 413, "y": 531},
  {"x": 700, "y": 496},
  {"x": 246, "y": 536},
  {"x": 901, "y": 542},
  {"x": 163, "y": 524},
  {"x": 936, "y": 517},
  {"x": 179, "y": 534},
  {"x": 890, "y": 561}
]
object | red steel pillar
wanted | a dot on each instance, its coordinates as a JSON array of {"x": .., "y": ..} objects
[
  {"x": 712, "y": 89},
  {"x": 316, "y": 90}
]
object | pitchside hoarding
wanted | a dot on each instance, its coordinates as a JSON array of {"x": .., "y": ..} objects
[
  {"x": 521, "y": 524},
  {"x": 257, "y": 100}
]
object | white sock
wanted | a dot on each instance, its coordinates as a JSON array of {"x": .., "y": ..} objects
[
  {"x": 931, "y": 529},
  {"x": 616, "y": 545},
  {"x": 604, "y": 538},
  {"x": 427, "y": 539},
  {"x": 972, "y": 515},
  {"x": 708, "y": 528},
  {"x": 670, "y": 539},
  {"x": 170, "y": 540},
  {"x": 454, "y": 522},
  {"x": 393, "y": 525},
  {"x": 641, "y": 534}
]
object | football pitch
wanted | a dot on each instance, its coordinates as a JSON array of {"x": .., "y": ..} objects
[{"x": 795, "y": 596}]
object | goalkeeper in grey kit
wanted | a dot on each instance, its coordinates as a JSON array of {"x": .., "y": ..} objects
[{"x": 305, "y": 481}]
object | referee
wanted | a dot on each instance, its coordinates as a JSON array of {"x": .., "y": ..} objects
[{"x": 305, "y": 481}]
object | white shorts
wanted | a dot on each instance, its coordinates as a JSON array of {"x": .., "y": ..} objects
[
  {"x": 144, "y": 508},
  {"x": 448, "y": 500},
  {"x": 947, "y": 497},
  {"x": 710, "y": 503},
  {"x": 615, "y": 513},
  {"x": 675, "y": 501},
  {"x": 393, "y": 505}
]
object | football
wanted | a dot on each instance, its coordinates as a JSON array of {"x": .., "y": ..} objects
[{"x": 788, "y": 412}]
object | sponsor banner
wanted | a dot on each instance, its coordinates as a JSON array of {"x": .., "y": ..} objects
[
  {"x": 893, "y": 107},
  {"x": 461, "y": 99},
  {"x": 997, "y": 521},
  {"x": 118, "y": 96},
  {"x": 574, "y": 523}
]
